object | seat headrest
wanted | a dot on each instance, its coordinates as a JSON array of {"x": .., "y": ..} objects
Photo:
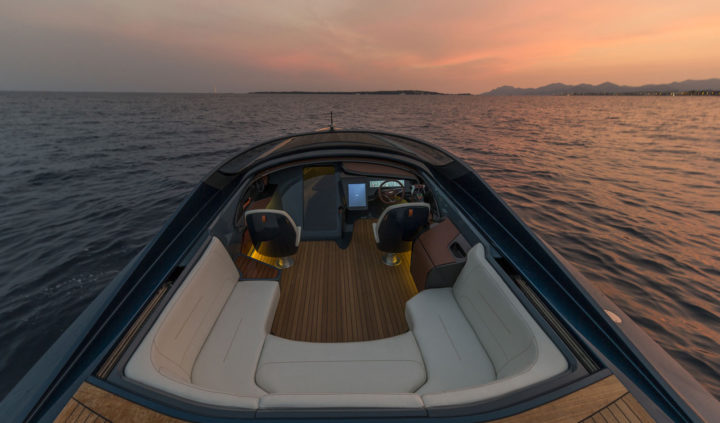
[
  {"x": 276, "y": 212},
  {"x": 409, "y": 210},
  {"x": 272, "y": 225}
]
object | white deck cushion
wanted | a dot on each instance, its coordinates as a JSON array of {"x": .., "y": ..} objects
[
  {"x": 228, "y": 359},
  {"x": 285, "y": 401},
  {"x": 176, "y": 354},
  {"x": 453, "y": 355},
  {"x": 520, "y": 352},
  {"x": 141, "y": 369},
  {"x": 191, "y": 314},
  {"x": 505, "y": 329},
  {"x": 390, "y": 365}
]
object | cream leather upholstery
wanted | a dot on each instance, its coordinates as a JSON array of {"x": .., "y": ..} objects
[
  {"x": 205, "y": 344},
  {"x": 468, "y": 343},
  {"x": 499, "y": 320},
  {"x": 230, "y": 355},
  {"x": 452, "y": 352},
  {"x": 390, "y": 365},
  {"x": 141, "y": 369},
  {"x": 192, "y": 313},
  {"x": 515, "y": 352},
  {"x": 291, "y": 401}
]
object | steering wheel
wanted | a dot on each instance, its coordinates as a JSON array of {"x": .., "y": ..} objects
[{"x": 391, "y": 194}]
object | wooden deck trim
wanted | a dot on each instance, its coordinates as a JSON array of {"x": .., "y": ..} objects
[
  {"x": 76, "y": 411},
  {"x": 107, "y": 407},
  {"x": 625, "y": 409},
  {"x": 120, "y": 348},
  {"x": 605, "y": 401},
  {"x": 597, "y": 400}
]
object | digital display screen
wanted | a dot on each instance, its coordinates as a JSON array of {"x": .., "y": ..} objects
[
  {"x": 357, "y": 196},
  {"x": 376, "y": 184}
]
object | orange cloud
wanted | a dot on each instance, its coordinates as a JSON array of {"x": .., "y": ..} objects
[{"x": 448, "y": 46}]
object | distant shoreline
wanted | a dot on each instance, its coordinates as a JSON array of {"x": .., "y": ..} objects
[
  {"x": 571, "y": 94},
  {"x": 392, "y": 92},
  {"x": 526, "y": 93}
]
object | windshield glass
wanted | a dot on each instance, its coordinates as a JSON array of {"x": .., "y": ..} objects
[{"x": 339, "y": 139}]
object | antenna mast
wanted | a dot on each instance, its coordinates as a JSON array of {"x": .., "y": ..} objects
[{"x": 332, "y": 125}]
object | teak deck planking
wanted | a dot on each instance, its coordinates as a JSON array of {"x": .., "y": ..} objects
[
  {"x": 585, "y": 404},
  {"x": 343, "y": 295},
  {"x": 604, "y": 401},
  {"x": 622, "y": 410}
]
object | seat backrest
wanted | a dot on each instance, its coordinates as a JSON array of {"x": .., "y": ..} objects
[
  {"x": 492, "y": 310},
  {"x": 192, "y": 312},
  {"x": 399, "y": 225},
  {"x": 273, "y": 232}
]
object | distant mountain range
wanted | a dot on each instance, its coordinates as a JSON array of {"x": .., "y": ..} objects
[{"x": 608, "y": 88}]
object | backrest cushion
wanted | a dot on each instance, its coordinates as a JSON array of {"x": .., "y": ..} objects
[
  {"x": 493, "y": 312},
  {"x": 191, "y": 314},
  {"x": 273, "y": 232},
  {"x": 400, "y": 224}
]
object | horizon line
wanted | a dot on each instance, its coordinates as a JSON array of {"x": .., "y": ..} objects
[{"x": 337, "y": 92}]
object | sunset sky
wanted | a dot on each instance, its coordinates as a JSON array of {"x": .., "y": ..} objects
[{"x": 448, "y": 46}]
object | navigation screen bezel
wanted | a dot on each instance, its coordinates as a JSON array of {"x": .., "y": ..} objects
[{"x": 365, "y": 188}]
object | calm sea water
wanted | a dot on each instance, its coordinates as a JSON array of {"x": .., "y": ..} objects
[{"x": 626, "y": 188}]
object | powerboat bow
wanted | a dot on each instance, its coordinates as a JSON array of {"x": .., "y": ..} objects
[{"x": 352, "y": 274}]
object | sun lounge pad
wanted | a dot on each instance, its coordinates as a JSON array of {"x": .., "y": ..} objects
[{"x": 390, "y": 365}]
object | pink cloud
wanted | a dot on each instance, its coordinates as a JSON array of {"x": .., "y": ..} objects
[{"x": 448, "y": 46}]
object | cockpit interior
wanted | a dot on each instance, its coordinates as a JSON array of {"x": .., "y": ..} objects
[
  {"x": 341, "y": 283},
  {"x": 324, "y": 202}
]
